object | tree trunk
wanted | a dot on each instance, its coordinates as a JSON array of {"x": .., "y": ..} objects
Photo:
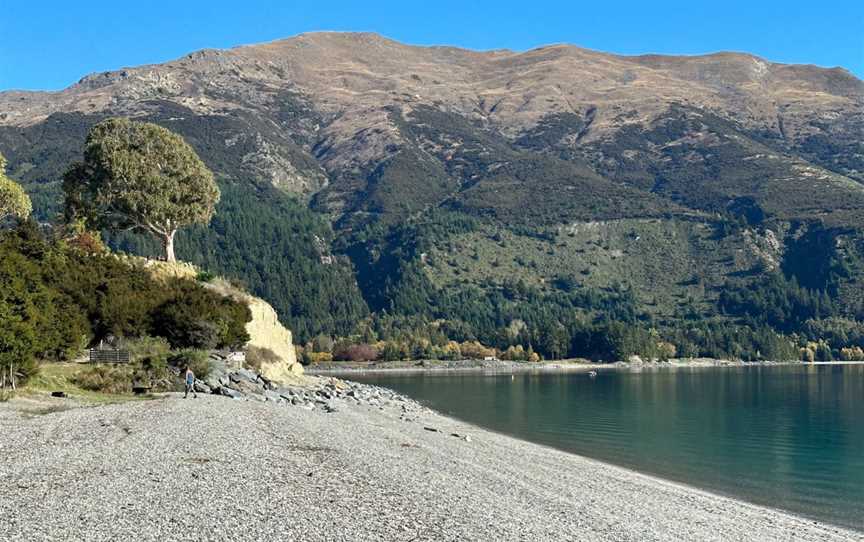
[{"x": 168, "y": 246}]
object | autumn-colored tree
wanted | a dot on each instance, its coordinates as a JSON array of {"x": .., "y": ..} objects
[
  {"x": 139, "y": 176},
  {"x": 13, "y": 200}
]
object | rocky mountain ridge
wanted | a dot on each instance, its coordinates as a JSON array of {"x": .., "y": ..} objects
[{"x": 339, "y": 96}]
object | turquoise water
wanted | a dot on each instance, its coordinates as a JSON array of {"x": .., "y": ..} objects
[{"x": 790, "y": 437}]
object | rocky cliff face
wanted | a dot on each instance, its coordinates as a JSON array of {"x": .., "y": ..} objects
[{"x": 265, "y": 330}]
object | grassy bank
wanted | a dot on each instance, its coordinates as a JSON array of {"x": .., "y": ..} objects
[{"x": 61, "y": 377}]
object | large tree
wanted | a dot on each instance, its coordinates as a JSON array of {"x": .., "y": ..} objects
[
  {"x": 139, "y": 176},
  {"x": 13, "y": 200}
]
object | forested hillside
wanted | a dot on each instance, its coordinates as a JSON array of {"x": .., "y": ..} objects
[{"x": 278, "y": 248}]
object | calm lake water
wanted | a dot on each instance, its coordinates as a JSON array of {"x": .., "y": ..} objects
[{"x": 790, "y": 437}]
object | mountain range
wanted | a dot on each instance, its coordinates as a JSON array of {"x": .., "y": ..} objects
[{"x": 362, "y": 176}]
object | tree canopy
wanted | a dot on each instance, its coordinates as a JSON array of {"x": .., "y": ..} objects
[
  {"x": 13, "y": 200},
  {"x": 139, "y": 176}
]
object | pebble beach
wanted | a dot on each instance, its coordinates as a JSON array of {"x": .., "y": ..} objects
[{"x": 363, "y": 463}]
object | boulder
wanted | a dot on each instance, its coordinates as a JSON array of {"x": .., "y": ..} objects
[
  {"x": 273, "y": 396},
  {"x": 243, "y": 374},
  {"x": 214, "y": 382},
  {"x": 228, "y": 392},
  {"x": 268, "y": 384},
  {"x": 248, "y": 388},
  {"x": 202, "y": 387}
]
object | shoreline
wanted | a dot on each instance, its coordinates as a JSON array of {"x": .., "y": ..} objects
[
  {"x": 684, "y": 486},
  {"x": 381, "y": 469},
  {"x": 347, "y": 369}
]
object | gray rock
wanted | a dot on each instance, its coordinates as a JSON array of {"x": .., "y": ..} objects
[
  {"x": 267, "y": 383},
  {"x": 273, "y": 396},
  {"x": 228, "y": 392},
  {"x": 213, "y": 381},
  {"x": 244, "y": 374},
  {"x": 202, "y": 387},
  {"x": 244, "y": 386}
]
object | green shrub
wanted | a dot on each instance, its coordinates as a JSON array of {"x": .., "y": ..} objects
[
  {"x": 392, "y": 351},
  {"x": 154, "y": 368},
  {"x": 197, "y": 360},
  {"x": 322, "y": 343},
  {"x": 107, "y": 378},
  {"x": 205, "y": 276},
  {"x": 199, "y": 318},
  {"x": 149, "y": 356},
  {"x": 146, "y": 347}
]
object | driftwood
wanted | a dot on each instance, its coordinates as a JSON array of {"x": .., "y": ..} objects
[{"x": 11, "y": 378}]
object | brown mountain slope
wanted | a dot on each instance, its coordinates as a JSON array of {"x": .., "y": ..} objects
[
  {"x": 332, "y": 108},
  {"x": 347, "y": 71}
]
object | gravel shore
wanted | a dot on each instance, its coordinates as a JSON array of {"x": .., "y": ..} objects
[
  {"x": 347, "y": 368},
  {"x": 214, "y": 468}
]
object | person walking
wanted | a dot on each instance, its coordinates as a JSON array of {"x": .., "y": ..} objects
[{"x": 190, "y": 383}]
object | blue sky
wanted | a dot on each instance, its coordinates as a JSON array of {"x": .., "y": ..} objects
[{"x": 51, "y": 44}]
